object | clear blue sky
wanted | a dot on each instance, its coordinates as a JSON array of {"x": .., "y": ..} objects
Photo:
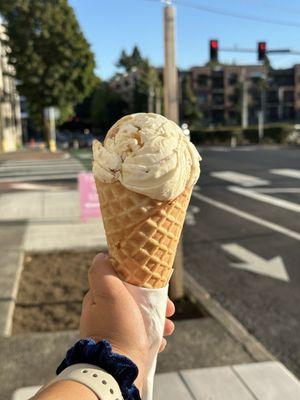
[{"x": 113, "y": 25}]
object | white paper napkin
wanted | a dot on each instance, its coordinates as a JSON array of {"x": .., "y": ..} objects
[{"x": 152, "y": 303}]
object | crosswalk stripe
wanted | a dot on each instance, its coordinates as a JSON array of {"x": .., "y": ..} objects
[
  {"x": 39, "y": 170},
  {"x": 239, "y": 178},
  {"x": 39, "y": 178},
  {"x": 275, "y": 201},
  {"x": 291, "y": 173}
]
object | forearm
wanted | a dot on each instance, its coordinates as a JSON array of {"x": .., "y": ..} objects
[{"x": 66, "y": 390}]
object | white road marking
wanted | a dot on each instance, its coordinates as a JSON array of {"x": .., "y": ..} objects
[
  {"x": 34, "y": 186},
  {"x": 270, "y": 225},
  {"x": 39, "y": 170},
  {"x": 240, "y": 179},
  {"x": 288, "y": 205},
  {"x": 190, "y": 215},
  {"x": 273, "y": 268},
  {"x": 278, "y": 190},
  {"x": 38, "y": 178},
  {"x": 291, "y": 173}
]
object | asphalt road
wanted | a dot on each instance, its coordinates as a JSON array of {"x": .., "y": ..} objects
[{"x": 247, "y": 221}]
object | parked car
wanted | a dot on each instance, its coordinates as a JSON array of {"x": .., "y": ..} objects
[
  {"x": 62, "y": 140},
  {"x": 82, "y": 140}
]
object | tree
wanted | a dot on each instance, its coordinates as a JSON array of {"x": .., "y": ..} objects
[
  {"x": 107, "y": 107},
  {"x": 129, "y": 61},
  {"x": 53, "y": 60},
  {"x": 190, "y": 111},
  {"x": 147, "y": 85}
]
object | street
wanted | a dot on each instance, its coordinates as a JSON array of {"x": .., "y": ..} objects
[{"x": 242, "y": 241}]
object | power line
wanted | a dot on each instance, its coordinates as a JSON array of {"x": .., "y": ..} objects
[
  {"x": 220, "y": 11},
  {"x": 269, "y": 5}
]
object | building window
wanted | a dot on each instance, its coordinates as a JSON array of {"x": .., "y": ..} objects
[
  {"x": 202, "y": 79},
  {"x": 288, "y": 95},
  {"x": 217, "y": 83},
  {"x": 288, "y": 113},
  {"x": 201, "y": 98},
  {"x": 232, "y": 78},
  {"x": 232, "y": 98},
  {"x": 217, "y": 99},
  {"x": 272, "y": 96}
]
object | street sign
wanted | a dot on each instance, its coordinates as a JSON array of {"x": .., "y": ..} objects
[
  {"x": 89, "y": 203},
  {"x": 273, "y": 268}
]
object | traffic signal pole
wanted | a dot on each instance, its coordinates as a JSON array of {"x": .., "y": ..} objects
[{"x": 171, "y": 111}]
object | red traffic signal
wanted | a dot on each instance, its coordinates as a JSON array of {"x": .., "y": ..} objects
[
  {"x": 262, "y": 50},
  {"x": 214, "y": 48}
]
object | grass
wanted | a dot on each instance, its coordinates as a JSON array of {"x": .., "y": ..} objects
[{"x": 84, "y": 156}]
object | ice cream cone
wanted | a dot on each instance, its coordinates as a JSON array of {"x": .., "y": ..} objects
[{"x": 142, "y": 233}]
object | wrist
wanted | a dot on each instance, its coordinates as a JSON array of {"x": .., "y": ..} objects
[
  {"x": 100, "y": 355},
  {"x": 66, "y": 390}
]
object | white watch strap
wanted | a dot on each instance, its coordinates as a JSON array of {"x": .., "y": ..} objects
[{"x": 99, "y": 381}]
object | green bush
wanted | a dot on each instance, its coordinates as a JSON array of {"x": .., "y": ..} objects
[{"x": 272, "y": 134}]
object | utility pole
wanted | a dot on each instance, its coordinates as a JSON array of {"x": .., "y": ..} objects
[
  {"x": 170, "y": 69},
  {"x": 172, "y": 112},
  {"x": 244, "y": 99}
]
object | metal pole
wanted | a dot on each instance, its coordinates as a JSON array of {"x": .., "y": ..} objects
[
  {"x": 260, "y": 126},
  {"x": 244, "y": 99},
  {"x": 172, "y": 112},
  {"x": 150, "y": 99},
  {"x": 157, "y": 100}
]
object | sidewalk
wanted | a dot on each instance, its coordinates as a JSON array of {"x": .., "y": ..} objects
[
  {"x": 39, "y": 221},
  {"x": 258, "y": 381},
  {"x": 198, "y": 343}
]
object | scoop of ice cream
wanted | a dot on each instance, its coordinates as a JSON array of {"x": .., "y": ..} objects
[{"x": 147, "y": 154}]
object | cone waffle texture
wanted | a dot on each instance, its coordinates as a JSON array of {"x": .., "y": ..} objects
[{"x": 142, "y": 233}]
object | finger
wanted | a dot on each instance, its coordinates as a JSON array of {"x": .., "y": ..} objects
[
  {"x": 162, "y": 345},
  {"x": 87, "y": 300},
  {"x": 102, "y": 277},
  {"x": 170, "y": 309},
  {"x": 169, "y": 327}
]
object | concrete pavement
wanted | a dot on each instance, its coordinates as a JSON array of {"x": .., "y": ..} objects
[{"x": 196, "y": 343}]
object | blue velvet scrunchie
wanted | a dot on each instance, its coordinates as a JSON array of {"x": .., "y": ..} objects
[{"x": 100, "y": 354}]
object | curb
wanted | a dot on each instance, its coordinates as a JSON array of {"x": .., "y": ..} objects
[
  {"x": 254, "y": 348},
  {"x": 6, "y": 329}
]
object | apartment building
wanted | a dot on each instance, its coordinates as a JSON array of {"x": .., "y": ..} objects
[
  {"x": 221, "y": 90},
  {"x": 10, "y": 115}
]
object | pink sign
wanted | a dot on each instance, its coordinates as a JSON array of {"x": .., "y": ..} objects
[{"x": 89, "y": 203}]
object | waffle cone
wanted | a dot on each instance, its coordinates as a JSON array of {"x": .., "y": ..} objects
[{"x": 142, "y": 233}]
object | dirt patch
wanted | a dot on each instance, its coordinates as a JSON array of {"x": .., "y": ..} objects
[
  {"x": 52, "y": 288},
  {"x": 51, "y": 291},
  {"x": 188, "y": 308}
]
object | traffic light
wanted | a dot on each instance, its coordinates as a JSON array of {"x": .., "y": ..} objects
[
  {"x": 214, "y": 48},
  {"x": 262, "y": 51}
]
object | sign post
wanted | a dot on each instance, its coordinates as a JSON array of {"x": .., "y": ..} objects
[{"x": 89, "y": 203}]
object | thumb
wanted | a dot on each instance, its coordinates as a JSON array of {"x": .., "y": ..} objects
[{"x": 103, "y": 280}]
